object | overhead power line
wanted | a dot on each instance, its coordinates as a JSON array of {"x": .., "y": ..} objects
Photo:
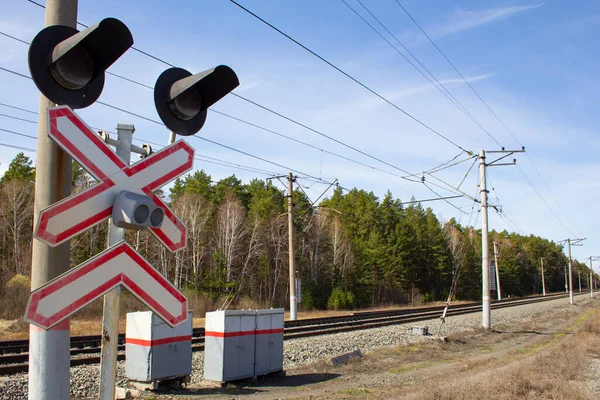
[
  {"x": 320, "y": 133},
  {"x": 438, "y": 85},
  {"x": 457, "y": 71},
  {"x": 194, "y": 136},
  {"x": 542, "y": 198},
  {"x": 489, "y": 108},
  {"x": 139, "y": 139},
  {"x": 18, "y": 147},
  {"x": 256, "y": 104},
  {"x": 263, "y": 128},
  {"x": 350, "y": 77},
  {"x": 199, "y": 157}
]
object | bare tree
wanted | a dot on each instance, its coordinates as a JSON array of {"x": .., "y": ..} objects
[
  {"x": 342, "y": 252},
  {"x": 278, "y": 239},
  {"x": 252, "y": 250},
  {"x": 230, "y": 231},
  {"x": 195, "y": 211},
  {"x": 16, "y": 212}
]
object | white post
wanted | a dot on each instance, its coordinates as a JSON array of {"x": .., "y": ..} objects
[
  {"x": 110, "y": 317},
  {"x": 498, "y": 292},
  {"x": 566, "y": 281},
  {"x": 485, "y": 257},
  {"x": 543, "y": 278},
  {"x": 579, "y": 273},
  {"x": 591, "y": 286},
  {"x": 570, "y": 275},
  {"x": 293, "y": 309},
  {"x": 172, "y": 137},
  {"x": 49, "y": 351}
]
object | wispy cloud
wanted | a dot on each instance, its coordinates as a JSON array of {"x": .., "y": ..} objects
[
  {"x": 469, "y": 79},
  {"x": 248, "y": 86},
  {"x": 463, "y": 20},
  {"x": 449, "y": 82}
]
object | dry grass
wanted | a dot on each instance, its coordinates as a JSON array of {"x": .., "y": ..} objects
[
  {"x": 88, "y": 321},
  {"x": 553, "y": 371}
]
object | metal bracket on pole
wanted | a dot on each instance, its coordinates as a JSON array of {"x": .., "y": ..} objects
[{"x": 143, "y": 151}]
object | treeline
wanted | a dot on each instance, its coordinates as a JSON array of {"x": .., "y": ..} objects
[{"x": 352, "y": 250}]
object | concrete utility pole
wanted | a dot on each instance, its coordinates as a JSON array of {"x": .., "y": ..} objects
[
  {"x": 570, "y": 275},
  {"x": 293, "y": 309},
  {"x": 49, "y": 351},
  {"x": 110, "y": 316},
  {"x": 485, "y": 249},
  {"x": 571, "y": 242},
  {"x": 543, "y": 278},
  {"x": 498, "y": 292},
  {"x": 591, "y": 278}
]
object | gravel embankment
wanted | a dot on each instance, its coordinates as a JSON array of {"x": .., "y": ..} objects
[{"x": 85, "y": 379}]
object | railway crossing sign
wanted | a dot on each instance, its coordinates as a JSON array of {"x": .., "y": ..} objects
[
  {"x": 117, "y": 265},
  {"x": 79, "y": 212},
  {"x": 120, "y": 264}
]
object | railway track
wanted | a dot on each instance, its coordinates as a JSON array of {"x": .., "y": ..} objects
[{"x": 85, "y": 349}]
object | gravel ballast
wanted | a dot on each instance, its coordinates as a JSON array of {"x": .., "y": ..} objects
[{"x": 85, "y": 379}]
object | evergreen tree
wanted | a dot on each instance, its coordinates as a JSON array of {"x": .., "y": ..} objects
[{"x": 19, "y": 168}]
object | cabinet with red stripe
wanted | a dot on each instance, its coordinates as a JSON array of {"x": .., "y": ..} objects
[
  {"x": 229, "y": 345},
  {"x": 269, "y": 341},
  {"x": 154, "y": 351},
  {"x": 242, "y": 343}
]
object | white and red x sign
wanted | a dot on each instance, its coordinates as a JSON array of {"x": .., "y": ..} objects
[
  {"x": 117, "y": 265},
  {"x": 73, "y": 215}
]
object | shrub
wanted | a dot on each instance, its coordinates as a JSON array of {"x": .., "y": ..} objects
[
  {"x": 14, "y": 297},
  {"x": 341, "y": 299}
]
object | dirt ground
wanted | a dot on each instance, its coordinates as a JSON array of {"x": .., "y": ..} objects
[{"x": 549, "y": 358}]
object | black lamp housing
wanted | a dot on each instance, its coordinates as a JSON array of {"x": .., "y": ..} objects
[
  {"x": 68, "y": 66},
  {"x": 182, "y": 99}
]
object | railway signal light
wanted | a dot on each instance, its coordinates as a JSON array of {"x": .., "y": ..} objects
[
  {"x": 68, "y": 66},
  {"x": 136, "y": 211},
  {"x": 182, "y": 99}
]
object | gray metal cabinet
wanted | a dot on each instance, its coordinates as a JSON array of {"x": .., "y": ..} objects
[
  {"x": 229, "y": 345},
  {"x": 269, "y": 341},
  {"x": 155, "y": 351}
]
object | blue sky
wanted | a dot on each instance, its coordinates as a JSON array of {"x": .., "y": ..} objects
[{"x": 534, "y": 63}]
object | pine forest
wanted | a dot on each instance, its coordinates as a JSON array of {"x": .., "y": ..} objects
[{"x": 352, "y": 250}]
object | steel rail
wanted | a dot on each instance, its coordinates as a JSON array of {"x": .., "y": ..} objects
[{"x": 17, "y": 363}]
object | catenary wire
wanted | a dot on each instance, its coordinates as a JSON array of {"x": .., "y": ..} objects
[
  {"x": 491, "y": 111},
  {"x": 201, "y": 138},
  {"x": 195, "y": 137},
  {"x": 198, "y": 157},
  {"x": 250, "y": 101},
  {"x": 438, "y": 85},
  {"x": 18, "y": 147},
  {"x": 274, "y": 132},
  {"x": 351, "y": 77},
  {"x": 542, "y": 198},
  {"x": 241, "y": 97},
  {"x": 139, "y": 139}
]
